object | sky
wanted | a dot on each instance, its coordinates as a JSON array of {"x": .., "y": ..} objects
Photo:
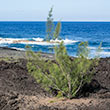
[{"x": 64, "y": 10}]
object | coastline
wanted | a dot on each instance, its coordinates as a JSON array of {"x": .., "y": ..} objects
[{"x": 17, "y": 54}]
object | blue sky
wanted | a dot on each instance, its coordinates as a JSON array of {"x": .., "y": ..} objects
[{"x": 66, "y": 10}]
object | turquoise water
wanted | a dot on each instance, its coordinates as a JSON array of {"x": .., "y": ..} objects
[{"x": 71, "y": 32}]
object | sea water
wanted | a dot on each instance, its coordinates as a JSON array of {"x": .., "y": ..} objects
[{"x": 72, "y": 33}]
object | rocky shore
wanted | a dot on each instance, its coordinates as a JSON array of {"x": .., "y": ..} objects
[
  {"x": 16, "y": 54},
  {"x": 20, "y": 91}
]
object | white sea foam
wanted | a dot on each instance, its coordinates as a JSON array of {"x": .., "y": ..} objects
[
  {"x": 18, "y": 48},
  {"x": 5, "y": 40},
  {"x": 66, "y": 41},
  {"x": 103, "y": 48},
  {"x": 92, "y": 48},
  {"x": 105, "y": 53},
  {"x": 100, "y": 54},
  {"x": 9, "y": 40},
  {"x": 38, "y": 41}
]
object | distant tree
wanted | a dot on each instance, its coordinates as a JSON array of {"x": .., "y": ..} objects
[
  {"x": 49, "y": 26},
  {"x": 52, "y": 31}
]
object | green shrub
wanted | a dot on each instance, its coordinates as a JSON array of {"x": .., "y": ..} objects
[{"x": 65, "y": 75}]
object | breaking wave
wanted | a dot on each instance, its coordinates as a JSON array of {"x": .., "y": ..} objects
[
  {"x": 37, "y": 41},
  {"x": 103, "y": 48}
]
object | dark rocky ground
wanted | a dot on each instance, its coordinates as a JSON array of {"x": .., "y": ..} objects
[{"x": 19, "y": 91}]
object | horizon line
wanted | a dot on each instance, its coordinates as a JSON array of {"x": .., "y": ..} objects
[{"x": 54, "y": 21}]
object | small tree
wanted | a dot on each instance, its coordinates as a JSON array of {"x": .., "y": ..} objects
[
  {"x": 49, "y": 26},
  {"x": 52, "y": 31},
  {"x": 65, "y": 75}
]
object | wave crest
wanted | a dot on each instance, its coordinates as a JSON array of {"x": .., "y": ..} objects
[{"x": 38, "y": 41}]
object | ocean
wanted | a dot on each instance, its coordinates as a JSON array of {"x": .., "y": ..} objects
[{"x": 72, "y": 33}]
